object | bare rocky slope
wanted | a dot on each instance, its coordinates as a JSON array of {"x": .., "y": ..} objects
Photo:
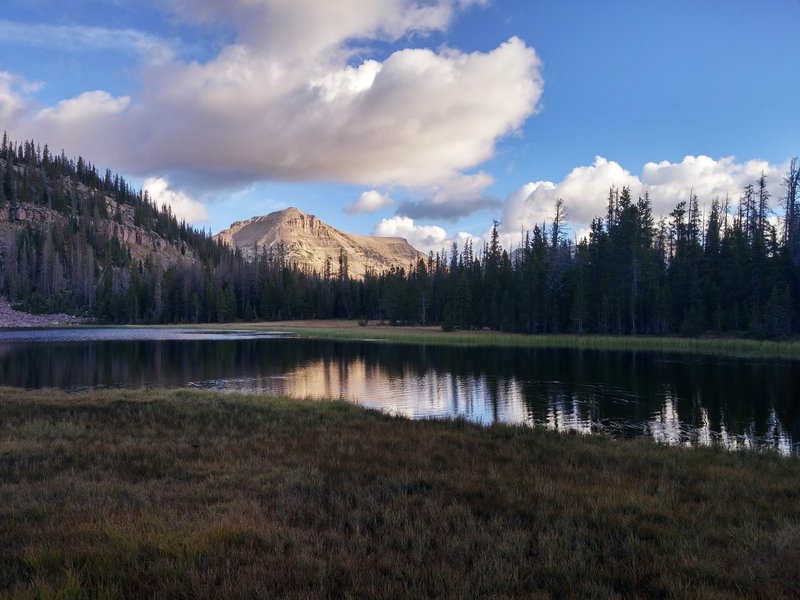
[
  {"x": 9, "y": 317},
  {"x": 312, "y": 244}
]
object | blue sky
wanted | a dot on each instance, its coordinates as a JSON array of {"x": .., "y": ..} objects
[{"x": 445, "y": 114}]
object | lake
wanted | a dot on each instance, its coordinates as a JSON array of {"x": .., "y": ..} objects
[{"x": 673, "y": 398}]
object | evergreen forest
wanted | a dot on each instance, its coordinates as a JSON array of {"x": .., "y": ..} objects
[{"x": 730, "y": 268}]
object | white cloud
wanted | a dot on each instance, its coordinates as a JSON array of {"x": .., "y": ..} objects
[
  {"x": 78, "y": 38},
  {"x": 91, "y": 124},
  {"x": 462, "y": 237},
  {"x": 296, "y": 97},
  {"x": 425, "y": 238},
  {"x": 79, "y": 110},
  {"x": 585, "y": 189},
  {"x": 669, "y": 183},
  {"x": 347, "y": 83},
  {"x": 13, "y": 92},
  {"x": 369, "y": 202},
  {"x": 183, "y": 206}
]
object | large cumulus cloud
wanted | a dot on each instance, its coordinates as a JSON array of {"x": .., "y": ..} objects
[{"x": 297, "y": 95}]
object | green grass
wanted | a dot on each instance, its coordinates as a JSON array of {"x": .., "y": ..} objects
[
  {"x": 727, "y": 346},
  {"x": 194, "y": 494},
  {"x": 710, "y": 345}
]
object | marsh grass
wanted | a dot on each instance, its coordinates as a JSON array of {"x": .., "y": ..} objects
[
  {"x": 724, "y": 346},
  {"x": 350, "y": 331},
  {"x": 194, "y": 494}
]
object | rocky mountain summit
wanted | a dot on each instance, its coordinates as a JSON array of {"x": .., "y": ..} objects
[{"x": 312, "y": 244}]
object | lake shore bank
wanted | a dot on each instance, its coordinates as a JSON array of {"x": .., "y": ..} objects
[{"x": 162, "y": 493}]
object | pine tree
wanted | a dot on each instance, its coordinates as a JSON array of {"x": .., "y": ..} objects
[
  {"x": 791, "y": 224},
  {"x": 9, "y": 188}
]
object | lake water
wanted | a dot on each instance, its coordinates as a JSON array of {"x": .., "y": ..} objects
[{"x": 673, "y": 398}]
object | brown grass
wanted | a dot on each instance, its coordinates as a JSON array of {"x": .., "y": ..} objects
[{"x": 192, "y": 494}]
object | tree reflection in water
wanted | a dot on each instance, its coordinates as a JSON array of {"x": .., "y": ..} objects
[{"x": 675, "y": 399}]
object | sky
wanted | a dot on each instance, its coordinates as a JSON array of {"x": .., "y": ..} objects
[{"x": 427, "y": 119}]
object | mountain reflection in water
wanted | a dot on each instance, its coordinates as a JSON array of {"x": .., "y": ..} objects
[{"x": 675, "y": 399}]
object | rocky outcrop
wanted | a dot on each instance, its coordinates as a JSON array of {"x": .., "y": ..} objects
[
  {"x": 31, "y": 214},
  {"x": 137, "y": 238}
]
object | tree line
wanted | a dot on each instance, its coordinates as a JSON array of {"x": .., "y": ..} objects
[{"x": 732, "y": 269}]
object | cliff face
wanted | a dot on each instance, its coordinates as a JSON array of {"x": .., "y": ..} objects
[
  {"x": 311, "y": 243},
  {"x": 75, "y": 242},
  {"x": 141, "y": 242},
  {"x": 83, "y": 207}
]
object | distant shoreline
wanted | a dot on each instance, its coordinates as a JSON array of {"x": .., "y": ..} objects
[
  {"x": 375, "y": 331},
  {"x": 345, "y": 330}
]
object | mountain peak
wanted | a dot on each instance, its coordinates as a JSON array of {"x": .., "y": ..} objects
[{"x": 313, "y": 244}]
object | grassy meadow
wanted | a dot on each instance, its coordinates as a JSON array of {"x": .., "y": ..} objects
[{"x": 195, "y": 494}]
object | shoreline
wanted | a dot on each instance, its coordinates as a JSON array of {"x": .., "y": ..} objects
[
  {"x": 351, "y": 331},
  {"x": 11, "y": 318},
  {"x": 344, "y": 330}
]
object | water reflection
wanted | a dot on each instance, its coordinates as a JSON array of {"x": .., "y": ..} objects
[
  {"x": 666, "y": 426},
  {"x": 683, "y": 400},
  {"x": 565, "y": 414},
  {"x": 410, "y": 394}
]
